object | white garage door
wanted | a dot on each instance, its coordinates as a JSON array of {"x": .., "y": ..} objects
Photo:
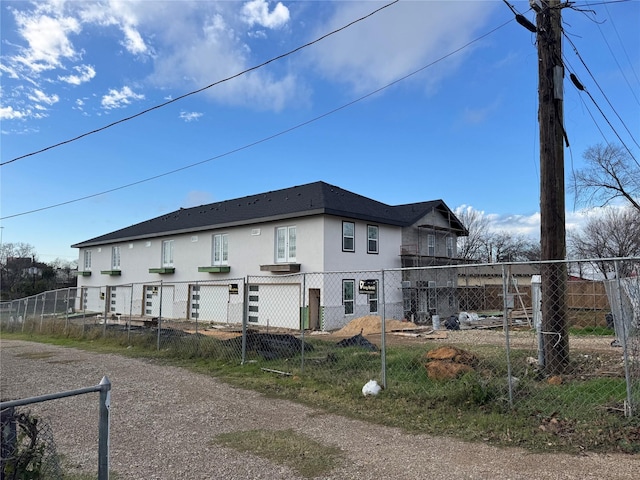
[
  {"x": 209, "y": 303},
  {"x": 274, "y": 305},
  {"x": 153, "y": 294}
]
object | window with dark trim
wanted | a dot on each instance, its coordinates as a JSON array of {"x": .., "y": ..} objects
[
  {"x": 372, "y": 238},
  {"x": 348, "y": 237},
  {"x": 348, "y": 296}
]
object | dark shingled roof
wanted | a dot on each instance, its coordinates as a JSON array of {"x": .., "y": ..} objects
[{"x": 303, "y": 200}]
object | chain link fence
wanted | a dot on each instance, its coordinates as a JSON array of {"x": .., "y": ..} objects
[{"x": 512, "y": 335}]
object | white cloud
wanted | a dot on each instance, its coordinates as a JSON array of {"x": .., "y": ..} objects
[
  {"x": 40, "y": 97},
  {"x": 120, "y": 98},
  {"x": 122, "y": 15},
  {"x": 256, "y": 12},
  {"x": 47, "y": 38},
  {"x": 190, "y": 116},
  {"x": 133, "y": 40},
  {"x": 8, "y": 113},
  {"x": 396, "y": 41},
  {"x": 198, "y": 55},
  {"x": 84, "y": 74}
]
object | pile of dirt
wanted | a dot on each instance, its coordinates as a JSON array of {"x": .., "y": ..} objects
[{"x": 372, "y": 324}]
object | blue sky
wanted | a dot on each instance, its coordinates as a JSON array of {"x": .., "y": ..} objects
[{"x": 456, "y": 121}]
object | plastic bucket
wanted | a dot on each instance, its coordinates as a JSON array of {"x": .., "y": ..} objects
[{"x": 435, "y": 321}]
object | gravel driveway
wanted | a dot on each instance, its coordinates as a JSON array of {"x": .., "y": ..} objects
[{"x": 163, "y": 418}]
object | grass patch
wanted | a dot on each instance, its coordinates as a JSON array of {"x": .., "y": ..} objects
[
  {"x": 583, "y": 413},
  {"x": 306, "y": 456},
  {"x": 592, "y": 331}
]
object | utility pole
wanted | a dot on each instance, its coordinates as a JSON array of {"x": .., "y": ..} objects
[{"x": 552, "y": 191}]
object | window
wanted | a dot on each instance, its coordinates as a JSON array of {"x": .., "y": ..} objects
[
  {"x": 167, "y": 253},
  {"x": 87, "y": 259},
  {"x": 115, "y": 258},
  {"x": 286, "y": 244},
  {"x": 450, "y": 247},
  {"x": 220, "y": 255},
  {"x": 373, "y": 300},
  {"x": 372, "y": 239},
  {"x": 348, "y": 296},
  {"x": 431, "y": 245},
  {"x": 348, "y": 237},
  {"x": 432, "y": 295}
]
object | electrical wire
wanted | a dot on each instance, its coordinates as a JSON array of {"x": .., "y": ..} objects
[
  {"x": 604, "y": 38},
  {"x": 270, "y": 137},
  {"x": 181, "y": 97},
  {"x": 608, "y": 102}
]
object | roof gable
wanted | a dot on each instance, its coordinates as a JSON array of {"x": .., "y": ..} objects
[{"x": 304, "y": 200}]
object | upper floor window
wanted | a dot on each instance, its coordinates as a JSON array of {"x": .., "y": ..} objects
[
  {"x": 450, "y": 252},
  {"x": 348, "y": 296},
  {"x": 348, "y": 236},
  {"x": 286, "y": 244},
  {"x": 220, "y": 254},
  {"x": 431, "y": 245},
  {"x": 167, "y": 253},
  {"x": 372, "y": 239},
  {"x": 115, "y": 258},
  {"x": 87, "y": 259}
]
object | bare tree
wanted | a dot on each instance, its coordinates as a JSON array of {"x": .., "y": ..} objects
[
  {"x": 473, "y": 246},
  {"x": 508, "y": 247},
  {"x": 615, "y": 233},
  {"x": 610, "y": 174}
]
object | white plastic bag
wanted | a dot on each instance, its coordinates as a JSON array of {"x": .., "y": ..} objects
[{"x": 371, "y": 388}]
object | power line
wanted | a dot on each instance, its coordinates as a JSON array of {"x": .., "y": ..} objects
[
  {"x": 581, "y": 88},
  {"x": 270, "y": 137},
  {"x": 622, "y": 72},
  {"x": 164, "y": 104}
]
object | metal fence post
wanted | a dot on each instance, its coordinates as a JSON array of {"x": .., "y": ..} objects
[
  {"x": 35, "y": 309},
  {"x": 66, "y": 309},
  {"x": 302, "y": 319},
  {"x": 106, "y": 311},
  {"x": 160, "y": 317},
  {"x": 130, "y": 314},
  {"x": 245, "y": 314},
  {"x": 103, "y": 431},
  {"x": 24, "y": 315},
  {"x": 383, "y": 338},
  {"x": 628, "y": 411},
  {"x": 44, "y": 303},
  {"x": 505, "y": 315}
]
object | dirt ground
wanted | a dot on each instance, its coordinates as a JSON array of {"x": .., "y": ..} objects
[
  {"x": 163, "y": 420},
  {"x": 400, "y": 332}
]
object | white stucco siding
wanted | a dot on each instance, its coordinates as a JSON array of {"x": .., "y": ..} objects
[{"x": 388, "y": 255}]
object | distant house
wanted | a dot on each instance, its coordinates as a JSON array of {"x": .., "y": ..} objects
[{"x": 268, "y": 238}]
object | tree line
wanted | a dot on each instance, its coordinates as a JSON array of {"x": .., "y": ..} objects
[{"x": 23, "y": 275}]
